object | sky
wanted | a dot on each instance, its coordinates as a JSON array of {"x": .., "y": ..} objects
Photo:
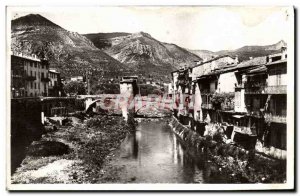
[{"x": 209, "y": 28}]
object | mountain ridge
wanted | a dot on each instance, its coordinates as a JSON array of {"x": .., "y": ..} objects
[
  {"x": 245, "y": 52},
  {"x": 69, "y": 52},
  {"x": 143, "y": 53}
]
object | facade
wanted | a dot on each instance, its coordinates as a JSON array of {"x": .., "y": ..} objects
[
  {"x": 266, "y": 104},
  {"x": 55, "y": 83},
  {"x": 128, "y": 90},
  {"x": 29, "y": 76},
  {"x": 247, "y": 99}
]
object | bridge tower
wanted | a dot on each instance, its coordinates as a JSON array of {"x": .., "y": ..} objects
[{"x": 128, "y": 90}]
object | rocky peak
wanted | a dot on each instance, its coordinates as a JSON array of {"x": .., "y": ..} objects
[
  {"x": 141, "y": 34},
  {"x": 33, "y": 20}
]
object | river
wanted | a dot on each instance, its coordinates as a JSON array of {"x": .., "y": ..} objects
[{"x": 155, "y": 155}]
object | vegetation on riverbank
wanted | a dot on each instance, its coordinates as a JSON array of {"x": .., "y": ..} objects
[
  {"x": 241, "y": 166},
  {"x": 85, "y": 144}
]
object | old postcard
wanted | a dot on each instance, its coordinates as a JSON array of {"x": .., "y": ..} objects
[{"x": 150, "y": 98}]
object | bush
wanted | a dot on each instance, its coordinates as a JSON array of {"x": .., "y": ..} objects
[
  {"x": 75, "y": 88},
  {"x": 219, "y": 99},
  {"x": 48, "y": 148}
]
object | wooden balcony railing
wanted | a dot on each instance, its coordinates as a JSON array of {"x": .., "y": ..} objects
[
  {"x": 280, "y": 89},
  {"x": 274, "y": 118}
]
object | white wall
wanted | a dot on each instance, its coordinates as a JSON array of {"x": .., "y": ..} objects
[
  {"x": 37, "y": 70},
  {"x": 226, "y": 83}
]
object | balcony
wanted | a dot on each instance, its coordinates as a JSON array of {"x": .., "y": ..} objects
[
  {"x": 280, "y": 89},
  {"x": 244, "y": 130},
  {"x": 275, "y": 118},
  {"x": 227, "y": 107},
  {"x": 30, "y": 78},
  {"x": 45, "y": 79},
  {"x": 255, "y": 87},
  {"x": 206, "y": 106},
  {"x": 182, "y": 83},
  {"x": 262, "y": 88}
]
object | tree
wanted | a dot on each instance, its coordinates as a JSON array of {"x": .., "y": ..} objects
[{"x": 75, "y": 88}]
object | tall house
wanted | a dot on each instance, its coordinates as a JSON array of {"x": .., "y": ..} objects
[
  {"x": 128, "y": 90},
  {"x": 55, "y": 84},
  {"x": 261, "y": 94},
  {"x": 29, "y": 76},
  {"x": 194, "y": 86}
]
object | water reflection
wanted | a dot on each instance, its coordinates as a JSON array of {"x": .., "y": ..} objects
[{"x": 155, "y": 155}]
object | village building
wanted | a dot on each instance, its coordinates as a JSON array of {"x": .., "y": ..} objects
[
  {"x": 29, "y": 76},
  {"x": 55, "y": 83},
  {"x": 181, "y": 92},
  {"x": 247, "y": 99},
  {"x": 209, "y": 66},
  {"x": 262, "y": 96},
  {"x": 128, "y": 90},
  {"x": 187, "y": 90}
]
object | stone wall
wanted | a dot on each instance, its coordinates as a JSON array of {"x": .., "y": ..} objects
[
  {"x": 26, "y": 126},
  {"x": 246, "y": 164}
]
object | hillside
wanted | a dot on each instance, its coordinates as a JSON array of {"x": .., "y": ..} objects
[
  {"x": 68, "y": 51},
  {"x": 244, "y": 53},
  {"x": 204, "y": 54},
  {"x": 144, "y": 54}
]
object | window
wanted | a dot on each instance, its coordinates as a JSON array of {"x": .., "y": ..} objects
[
  {"x": 42, "y": 75},
  {"x": 31, "y": 85},
  {"x": 34, "y": 85},
  {"x": 278, "y": 77}
]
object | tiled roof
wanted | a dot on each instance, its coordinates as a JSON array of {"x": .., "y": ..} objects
[
  {"x": 211, "y": 60},
  {"x": 258, "y": 69},
  {"x": 252, "y": 62}
]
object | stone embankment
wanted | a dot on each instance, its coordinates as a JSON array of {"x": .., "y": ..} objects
[{"x": 241, "y": 165}]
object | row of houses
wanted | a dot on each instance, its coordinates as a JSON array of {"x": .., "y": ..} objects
[
  {"x": 32, "y": 77},
  {"x": 247, "y": 99}
]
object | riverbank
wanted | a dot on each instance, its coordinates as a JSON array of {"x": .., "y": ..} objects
[
  {"x": 73, "y": 153},
  {"x": 241, "y": 166},
  {"x": 153, "y": 154}
]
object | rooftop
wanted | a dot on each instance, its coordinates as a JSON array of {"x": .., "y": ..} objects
[
  {"x": 277, "y": 62},
  {"x": 211, "y": 60},
  {"x": 253, "y": 62},
  {"x": 25, "y": 56}
]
